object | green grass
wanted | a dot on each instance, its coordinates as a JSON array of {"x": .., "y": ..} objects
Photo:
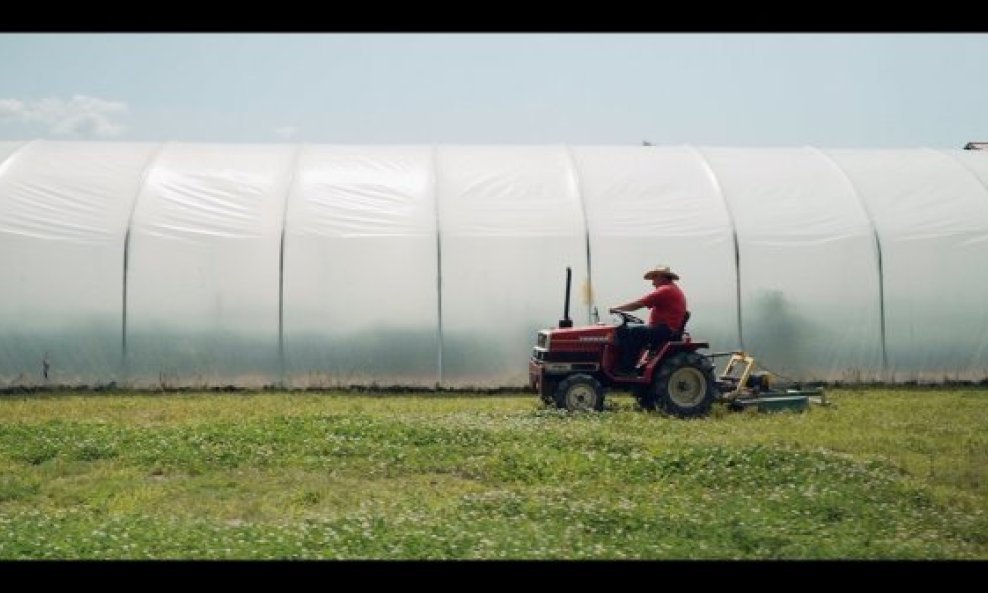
[{"x": 879, "y": 474}]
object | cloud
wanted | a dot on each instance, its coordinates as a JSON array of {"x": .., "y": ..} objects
[
  {"x": 286, "y": 132},
  {"x": 79, "y": 117}
]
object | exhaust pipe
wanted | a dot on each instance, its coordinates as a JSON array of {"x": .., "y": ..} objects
[{"x": 566, "y": 321}]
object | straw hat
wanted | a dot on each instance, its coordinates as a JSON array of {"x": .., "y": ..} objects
[{"x": 661, "y": 271}]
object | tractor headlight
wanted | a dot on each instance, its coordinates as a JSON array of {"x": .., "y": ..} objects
[{"x": 543, "y": 340}]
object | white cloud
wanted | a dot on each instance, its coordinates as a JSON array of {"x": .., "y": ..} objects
[
  {"x": 79, "y": 117},
  {"x": 284, "y": 132},
  {"x": 10, "y": 109}
]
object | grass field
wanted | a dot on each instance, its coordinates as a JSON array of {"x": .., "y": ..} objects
[{"x": 879, "y": 474}]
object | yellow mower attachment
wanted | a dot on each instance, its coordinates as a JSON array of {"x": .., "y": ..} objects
[{"x": 741, "y": 386}]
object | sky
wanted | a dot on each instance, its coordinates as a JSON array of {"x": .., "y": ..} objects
[{"x": 828, "y": 90}]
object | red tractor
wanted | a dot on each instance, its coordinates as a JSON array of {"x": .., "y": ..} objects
[{"x": 572, "y": 367}]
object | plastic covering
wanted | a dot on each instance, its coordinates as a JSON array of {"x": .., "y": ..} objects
[
  {"x": 319, "y": 266},
  {"x": 510, "y": 222},
  {"x": 931, "y": 212},
  {"x": 361, "y": 268},
  {"x": 808, "y": 263},
  {"x": 64, "y": 210},
  {"x": 204, "y": 266}
]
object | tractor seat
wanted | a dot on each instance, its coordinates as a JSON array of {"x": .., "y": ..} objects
[{"x": 678, "y": 336}]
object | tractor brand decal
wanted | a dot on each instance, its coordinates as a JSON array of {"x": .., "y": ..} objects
[{"x": 593, "y": 338}]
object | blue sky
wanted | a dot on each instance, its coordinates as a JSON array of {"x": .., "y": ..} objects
[{"x": 847, "y": 90}]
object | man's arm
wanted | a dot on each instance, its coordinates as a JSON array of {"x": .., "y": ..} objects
[{"x": 632, "y": 306}]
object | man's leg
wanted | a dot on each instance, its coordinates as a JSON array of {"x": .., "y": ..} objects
[
  {"x": 631, "y": 347},
  {"x": 624, "y": 339},
  {"x": 659, "y": 335}
]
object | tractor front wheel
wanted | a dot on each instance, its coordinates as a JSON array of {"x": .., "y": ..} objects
[{"x": 580, "y": 393}]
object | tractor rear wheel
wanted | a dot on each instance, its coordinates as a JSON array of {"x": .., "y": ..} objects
[
  {"x": 580, "y": 393},
  {"x": 684, "y": 386}
]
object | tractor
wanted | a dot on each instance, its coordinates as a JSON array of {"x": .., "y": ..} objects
[{"x": 572, "y": 368}]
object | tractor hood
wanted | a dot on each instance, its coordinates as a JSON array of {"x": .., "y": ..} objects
[{"x": 568, "y": 338}]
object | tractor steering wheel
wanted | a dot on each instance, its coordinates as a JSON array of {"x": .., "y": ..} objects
[{"x": 626, "y": 317}]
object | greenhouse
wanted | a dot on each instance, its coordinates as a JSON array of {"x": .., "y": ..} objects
[{"x": 307, "y": 266}]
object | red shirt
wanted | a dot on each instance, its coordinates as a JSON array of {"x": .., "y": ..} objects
[{"x": 667, "y": 304}]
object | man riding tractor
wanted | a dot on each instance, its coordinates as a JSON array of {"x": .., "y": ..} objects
[
  {"x": 666, "y": 317},
  {"x": 571, "y": 367}
]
